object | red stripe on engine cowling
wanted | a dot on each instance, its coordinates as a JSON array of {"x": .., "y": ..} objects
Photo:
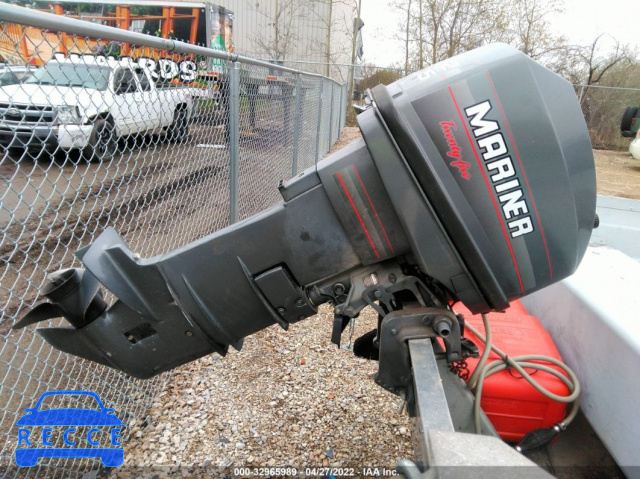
[
  {"x": 486, "y": 180},
  {"x": 524, "y": 175},
  {"x": 384, "y": 232},
  {"x": 355, "y": 210}
]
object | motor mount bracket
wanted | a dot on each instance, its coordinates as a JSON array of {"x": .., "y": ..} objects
[{"x": 413, "y": 322}]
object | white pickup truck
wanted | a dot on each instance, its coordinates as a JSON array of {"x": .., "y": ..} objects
[{"x": 87, "y": 103}]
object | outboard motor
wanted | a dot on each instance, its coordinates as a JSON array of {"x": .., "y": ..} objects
[{"x": 474, "y": 182}]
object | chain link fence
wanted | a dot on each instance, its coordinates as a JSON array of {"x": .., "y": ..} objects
[{"x": 164, "y": 141}]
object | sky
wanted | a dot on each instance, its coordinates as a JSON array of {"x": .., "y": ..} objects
[{"x": 582, "y": 22}]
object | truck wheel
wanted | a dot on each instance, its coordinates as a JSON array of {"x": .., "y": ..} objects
[
  {"x": 628, "y": 115},
  {"x": 179, "y": 129},
  {"x": 102, "y": 143}
]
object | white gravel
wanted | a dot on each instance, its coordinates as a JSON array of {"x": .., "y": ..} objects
[{"x": 287, "y": 399}]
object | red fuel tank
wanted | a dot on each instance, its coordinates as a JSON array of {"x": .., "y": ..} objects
[{"x": 513, "y": 406}]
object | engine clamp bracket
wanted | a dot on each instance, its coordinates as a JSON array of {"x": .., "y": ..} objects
[{"x": 398, "y": 327}]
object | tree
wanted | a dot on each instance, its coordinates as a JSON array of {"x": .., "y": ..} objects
[
  {"x": 407, "y": 30},
  {"x": 434, "y": 30},
  {"x": 626, "y": 75},
  {"x": 317, "y": 30},
  {"x": 593, "y": 62},
  {"x": 455, "y": 26},
  {"x": 357, "y": 26},
  {"x": 602, "y": 62},
  {"x": 531, "y": 31},
  {"x": 374, "y": 76},
  {"x": 282, "y": 32},
  {"x": 336, "y": 18},
  {"x": 597, "y": 63}
]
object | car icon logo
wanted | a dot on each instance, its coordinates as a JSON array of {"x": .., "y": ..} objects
[
  {"x": 69, "y": 432},
  {"x": 13, "y": 112}
]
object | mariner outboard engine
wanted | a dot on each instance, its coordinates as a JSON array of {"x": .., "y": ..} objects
[{"x": 474, "y": 182}]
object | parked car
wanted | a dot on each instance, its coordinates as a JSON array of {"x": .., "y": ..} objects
[
  {"x": 14, "y": 74},
  {"x": 630, "y": 122},
  {"x": 634, "y": 147},
  {"x": 87, "y": 103}
]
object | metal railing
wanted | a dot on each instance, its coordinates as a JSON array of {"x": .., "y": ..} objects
[{"x": 163, "y": 140}]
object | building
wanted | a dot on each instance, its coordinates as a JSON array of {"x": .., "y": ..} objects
[{"x": 313, "y": 35}]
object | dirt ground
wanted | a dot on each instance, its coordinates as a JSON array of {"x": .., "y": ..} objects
[
  {"x": 348, "y": 135},
  {"x": 617, "y": 174}
]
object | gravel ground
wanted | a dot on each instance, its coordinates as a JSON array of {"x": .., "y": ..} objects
[
  {"x": 349, "y": 135},
  {"x": 288, "y": 399}
]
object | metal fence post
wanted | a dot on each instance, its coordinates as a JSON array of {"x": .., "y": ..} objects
[
  {"x": 343, "y": 105},
  {"x": 336, "y": 112},
  {"x": 319, "y": 121},
  {"x": 581, "y": 95},
  {"x": 338, "y": 89},
  {"x": 346, "y": 105},
  {"x": 296, "y": 125},
  {"x": 234, "y": 144},
  {"x": 331, "y": 132}
]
